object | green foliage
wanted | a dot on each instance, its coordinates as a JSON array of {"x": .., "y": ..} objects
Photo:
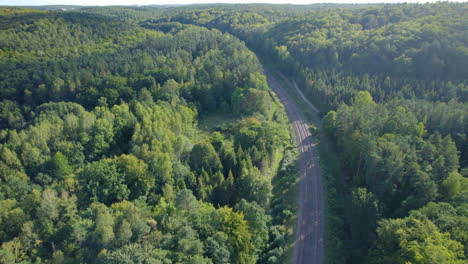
[
  {"x": 449, "y": 219},
  {"x": 58, "y": 166},
  {"x": 136, "y": 175},
  {"x": 10, "y": 115},
  {"x": 103, "y": 182},
  {"x": 11, "y": 219},
  {"x": 258, "y": 223},
  {"x": 415, "y": 241},
  {"x": 364, "y": 212},
  {"x": 101, "y": 149},
  {"x": 101, "y": 105},
  {"x": 392, "y": 79},
  {"x": 453, "y": 185},
  {"x": 103, "y": 233},
  {"x": 254, "y": 187},
  {"x": 204, "y": 157},
  {"x": 239, "y": 238}
]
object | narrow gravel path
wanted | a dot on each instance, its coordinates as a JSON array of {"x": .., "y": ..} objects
[{"x": 308, "y": 246}]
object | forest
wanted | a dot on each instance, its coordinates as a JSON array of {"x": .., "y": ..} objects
[
  {"x": 103, "y": 158},
  {"x": 150, "y": 135},
  {"x": 391, "y": 83}
]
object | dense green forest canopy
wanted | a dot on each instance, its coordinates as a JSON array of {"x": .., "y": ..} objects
[
  {"x": 149, "y": 134},
  {"x": 103, "y": 160},
  {"x": 391, "y": 81},
  {"x": 394, "y": 80}
]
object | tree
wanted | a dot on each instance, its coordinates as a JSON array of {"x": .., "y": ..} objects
[
  {"x": 228, "y": 157},
  {"x": 10, "y": 158},
  {"x": 204, "y": 157},
  {"x": 254, "y": 187},
  {"x": 237, "y": 231},
  {"x": 14, "y": 184},
  {"x": 217, "y": 140},
  {"x": 12, "y": 252},
  {"x": 135, "y": 172},
  {"x": 412, "y": 240},
  {"x": 12, "y": 218},
  {"x": 135, "y": 215},
  {"x": 421, "y": 190},
  {"x": 258, "y": 222},
  {"x": 49, "y": 208},
  {"x": 329, "y": 123},
  {"x": 363, "y": 98},
  {"x": 448, "y": 218},
  {"x": 101, "y": 138},
  {"x": 10, "y": 115},
  {"x": 185, "y": 200},
  {"x": 453, "y": 185},
  {"x": 101, "y": 182},
  {"x": 103, "y": 232},
  {"x": 123, "y": 233},
  {"x": 161, "y": 169},
  {"x": 364, "y": 212},
  {"x": 58, "y": 166},
  {"x": 169, "y": 91},
  {"x": 218, "y": 249},
  {"x": 135, "y": 253}
]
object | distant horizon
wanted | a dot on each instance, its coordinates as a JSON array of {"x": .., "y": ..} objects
[{"x": 194, "y": 2}]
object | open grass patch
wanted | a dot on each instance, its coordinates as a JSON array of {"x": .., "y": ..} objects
[{"x": 217, "y": 121}]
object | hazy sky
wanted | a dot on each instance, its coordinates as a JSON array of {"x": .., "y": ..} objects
[{"x": 147, "y": 2}]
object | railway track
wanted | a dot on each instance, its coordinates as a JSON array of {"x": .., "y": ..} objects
[{"x": 309, "y": 236}]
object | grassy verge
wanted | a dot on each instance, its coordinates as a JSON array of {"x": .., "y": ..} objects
[
  {"x": 286, "y": 189},
  {"x": 335, "y": 250},
  {"x": 284, "y": 204}
]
